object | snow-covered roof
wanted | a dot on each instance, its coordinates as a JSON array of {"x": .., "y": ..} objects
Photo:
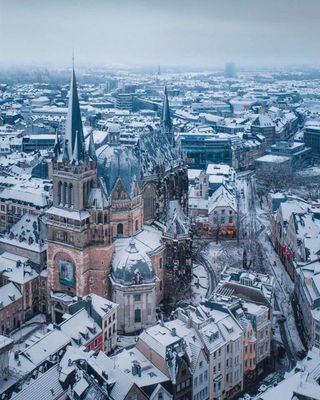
[
  {"x": 16, "y": 269},
  {"x": 67, "y": 213},
  {"x": 150, "y": 374},
  {"x": 47, "y": 386},
  {"x": 26, "y": 195},
  {"x": 176, "y": 221},
  {"x": 301, "y": 381},
  {"x": 9, "y": 293},
  {"x": 29, "y": 232},
  {"x": 132, "y": 266},
  {"x": 101, "y": 305},
  {"x": 272, "y": 158},
  {"x": 147, "y": 240},
  {"x": 222, "y": 197}
]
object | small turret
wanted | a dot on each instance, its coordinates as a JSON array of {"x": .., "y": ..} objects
[{"x": 92, "y": 150}]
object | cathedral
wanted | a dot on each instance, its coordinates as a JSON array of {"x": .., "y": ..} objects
[{"x": 117, "y": 226}]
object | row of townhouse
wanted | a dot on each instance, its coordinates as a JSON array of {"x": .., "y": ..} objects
[
  {"x": 22, "y": 195},
  {"x": 207, "y": 352},
  {"x": 296, "y": 237},
  {"x": 23, "y": 290},
  {"x": 90, "y": 325},
  {"x": 213, "y": 350},
  {"x": 249, "y": 296}
]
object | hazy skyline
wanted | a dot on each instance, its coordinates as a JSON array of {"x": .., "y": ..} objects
[{"x": 145, "y": 32}]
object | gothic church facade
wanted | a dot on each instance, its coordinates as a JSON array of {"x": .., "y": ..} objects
[{"x": 101, "y": 232}]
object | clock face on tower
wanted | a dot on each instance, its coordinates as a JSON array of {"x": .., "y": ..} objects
[{"x": 66, "y": 273}]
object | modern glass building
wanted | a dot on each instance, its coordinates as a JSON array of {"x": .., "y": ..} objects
[
  {"x": 38, "y": 142},
  {"x": 312, "y": 139},
  {"x": 203, "y": 148}
]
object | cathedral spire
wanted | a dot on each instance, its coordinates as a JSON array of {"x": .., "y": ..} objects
[
  {"x": 166, "y": 123},
  {"x": 92, "y": 149},
  {"x": 74, "y": 130}
]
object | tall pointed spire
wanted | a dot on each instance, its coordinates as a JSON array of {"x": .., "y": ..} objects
[
  {"x": 166, "y": 123},
  {"x": 91, "y": 148},
  {"x": 74, "y": 124}
]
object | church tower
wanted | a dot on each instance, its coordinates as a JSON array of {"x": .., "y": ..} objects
[
  {"x": 79, "y": 246},
  {"x": 166, "y": 122}
]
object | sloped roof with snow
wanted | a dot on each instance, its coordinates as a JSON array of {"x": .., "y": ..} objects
[
  {"x": 263, "y": 120},
  {"x": 176, "y": 221},
  {"x": 9, "y": 293},
  {"x": 17, "y": 269},
  {"x": 29, "y": 232},
  {"x": 222, "y": 197}
]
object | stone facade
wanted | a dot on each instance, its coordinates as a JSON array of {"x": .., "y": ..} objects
[
  {"x": 178, "y": 264},
  {"x": 103, "y": 195},
  {"x": 136, "y": 306},
  {"x": 11, "y": 308}
]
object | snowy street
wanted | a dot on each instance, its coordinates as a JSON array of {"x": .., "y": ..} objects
[
  {"x": 266, "y": 260},
  {"x": 212, "y": 257}
]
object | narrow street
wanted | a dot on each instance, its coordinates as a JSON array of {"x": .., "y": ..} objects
[
  {"x": 210, "y": 258},
  {"x": 266, "y": 260}
]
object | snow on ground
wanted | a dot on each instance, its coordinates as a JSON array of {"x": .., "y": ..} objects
[
  {"x": 225, "y": 253},
  {"x": 312, "y": 171},
  {"x": 126, "y": 341},
  {"x": 283, "y": 290}
]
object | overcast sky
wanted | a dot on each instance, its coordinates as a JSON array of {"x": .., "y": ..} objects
[{"x": 166, "y": 32}]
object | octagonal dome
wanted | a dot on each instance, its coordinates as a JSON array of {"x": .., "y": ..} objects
[{"x": 133, "y": 267}]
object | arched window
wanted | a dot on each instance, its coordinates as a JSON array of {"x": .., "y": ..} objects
[
  {"x": 148, "y": 200},
  {"x": 84, "y": 194},
  {"x": 119, "y": 229},
  {"x": 60, "y": 192},
  {"x": 65, "y": 194},
  {"x": 160, "y": 286},
  {"x": 88, "y": 188},
  {"x": 137, "y": 315},
  {"x": 99, "y": 218},
  {"x": 105, "y": 218},
  {"x": 137, "y": 225},
  {"x": 70, "y": 195}
]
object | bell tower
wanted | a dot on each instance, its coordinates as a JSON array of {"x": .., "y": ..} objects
[{"x": 76, "y": 265}]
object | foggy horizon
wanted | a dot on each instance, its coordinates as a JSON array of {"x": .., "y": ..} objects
[{"x": 206, "y": 33}]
